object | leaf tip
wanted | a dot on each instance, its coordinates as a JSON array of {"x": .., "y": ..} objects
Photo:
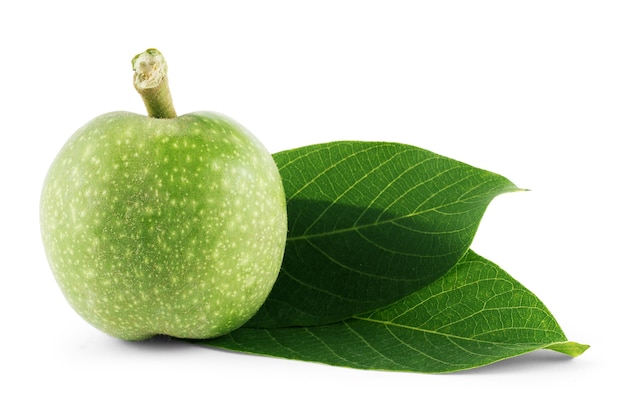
[{"x": 572, "y": 349}]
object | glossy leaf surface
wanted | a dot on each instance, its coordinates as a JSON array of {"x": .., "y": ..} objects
[
  {"x": 476, "y": 314},
  {"x": 370, "y": 223}
]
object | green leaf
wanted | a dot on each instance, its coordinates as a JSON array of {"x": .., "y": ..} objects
[
  {"x": 370, "y": 223},
  {"x": 473, "y": 316}
]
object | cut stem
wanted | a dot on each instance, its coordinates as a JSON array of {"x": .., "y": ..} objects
[{"x": 150, "y": 81}]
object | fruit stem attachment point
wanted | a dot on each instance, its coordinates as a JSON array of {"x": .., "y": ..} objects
[{"x": 151, "y": 83}]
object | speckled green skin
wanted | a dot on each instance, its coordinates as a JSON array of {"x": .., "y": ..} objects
[{"x": 164, "y": 226}]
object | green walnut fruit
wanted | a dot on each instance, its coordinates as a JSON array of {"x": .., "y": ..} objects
[{"x": 172, "y": 225}]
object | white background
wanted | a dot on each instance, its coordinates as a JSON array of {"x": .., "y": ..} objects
[{"x": 533, "y": 90}]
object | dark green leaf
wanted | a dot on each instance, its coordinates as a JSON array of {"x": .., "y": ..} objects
[
  {"x": 370, "y": 223},
  {"x": 474, "y": 315}
]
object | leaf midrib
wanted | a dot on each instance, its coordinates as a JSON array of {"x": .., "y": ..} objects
[
  {"x": 377, "y": 224},
  {"x": 387, "y": 324}
]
